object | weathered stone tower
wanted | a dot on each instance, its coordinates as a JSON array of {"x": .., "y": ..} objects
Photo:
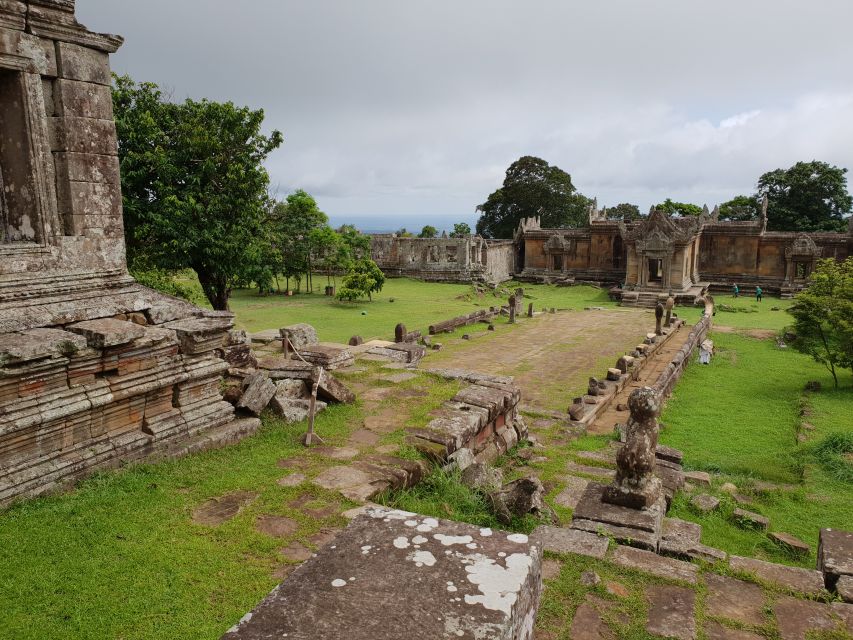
[{"x": 95, "y": 370}]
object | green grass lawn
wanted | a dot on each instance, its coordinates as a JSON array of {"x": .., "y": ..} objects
[
  {"x": 416, "y": 304},
  {"x": 746, "y": 313},
  {"x": 740, "y": 417}
]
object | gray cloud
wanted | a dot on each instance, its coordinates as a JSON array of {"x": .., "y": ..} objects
[{"x": 413, "y": 109}]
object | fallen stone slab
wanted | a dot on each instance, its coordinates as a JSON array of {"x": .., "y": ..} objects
[
  {"x": 294, "y": 409},
  {"x": 332, "y": 389},
  {"x": 669, "y": 454},
  {"x": 671, "y": 612},
  {"x": 571, "y": 495},
  {"x": 750, "y": 519},
  {"x": 596, "y": 472},
  {"x": 734, "y": 599},
  {"x": 216, "y": 511},
  {"x": 451, "y": 580},
  {"x": 698, "y": 478},
  {"x": 330, "y": 358},
  {"x": 835, "y": 554},
  {"x": 653, "y": 564},
  {"x": 257, "y": 394},
  {"x": 705, "y": 503},
  {"x": 592, "y": 507},
  {"x": 562, "y": 540},
  {"x": 301, "y": 335},
  {"x": 588, "y": 625},
  {"x": 805, "y": 581},
  {"x": 790, "y": 543},
  {"x": 623, "y": 535}
]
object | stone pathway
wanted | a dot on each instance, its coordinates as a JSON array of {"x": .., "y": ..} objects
[
  {"x": 607, "y": 421},
  {"x": 681, "y": 600},
  {"x": 550, "y": 356}
]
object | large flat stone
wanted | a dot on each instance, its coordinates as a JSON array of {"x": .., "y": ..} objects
[
  {"x": 588, "y": 625},
  {"x": 107, "y": 332},
  {"x": 450, "y": 580},
  {"x": 653, "y": 564},
  {"x": 716, "y": 631},
  {"x": 622, "y": 535},
  {"x": 671, "y": 612},
  {"x": 571, "y": 495},
  {"x": 561, "y": 540},
  {"x": 797, "y": 617},
  {"x": 734, "y": 600},
  {"x": 803, "y": 580}
]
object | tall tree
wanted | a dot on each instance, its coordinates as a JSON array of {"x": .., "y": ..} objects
[
  {"x": 531, "y": 188},
  {"x": 460, "y": 230},
  {"x": 810, "y": 196},
  {"x": 740, "y": 208},
  {"x": 358, "y": 243},
  {"x": 428, "y": 231},
  {"x": 679, "y": 208},
  {"x": 194, "y": 184},
  {"x": 625, "y": 211},
  {"x": 823, "y": 315},
  {"x": 298, "y": 221}
]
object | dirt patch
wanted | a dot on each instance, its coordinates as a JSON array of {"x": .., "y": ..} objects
[
  {"x": 215, "y": 511},
  {"x": 551, "y": 356},
  {"x": 276, "y": 526}
]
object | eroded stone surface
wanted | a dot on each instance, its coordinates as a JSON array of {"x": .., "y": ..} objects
[
  {"x": 218, "y": 510},
  {"x": 654, "y": 564},
  {"x": 571, "y": 495},
  {"x": 734, "y": 600},
  {"x": 835, "y": 553},
  {"x": 716, "y": 631},
  {"x": 671, "y": 612},
  {"x": 797, "y": 617},
  {"x": 468, "y": 582},
  {"x": 561, "y": 540},
  {"x": 803, "y": 580},
  {"x": 276, "y": 526}
]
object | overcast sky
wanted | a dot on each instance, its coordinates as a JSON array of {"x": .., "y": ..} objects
[{"x": 413, "y": 109}]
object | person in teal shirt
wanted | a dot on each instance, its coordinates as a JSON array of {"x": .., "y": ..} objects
[
  {"x": 735, "y": 290},
  {"x": 758, "y": 294}
]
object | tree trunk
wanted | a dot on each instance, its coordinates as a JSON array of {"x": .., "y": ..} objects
[{"x": 215, "y": 288}]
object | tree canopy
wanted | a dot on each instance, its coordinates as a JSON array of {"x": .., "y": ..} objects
[
  {"x": 679, "y": 208},
  {"x": 194, "y": 185},
  {"x": 823, "y": 316},
  {"x": 625, "y": 211},
  {"x": 810, "y": 196},
  {"x": 531, "y": 188},
  {"x": 740, "y": 208},
  {"x": 460, "y": 230},
  {"x": 428, "y": 231}
]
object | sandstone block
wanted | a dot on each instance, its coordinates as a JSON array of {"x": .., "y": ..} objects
[
  {"x": 835, "y": 554},
  {"x": 83, "y": 100},
  {"x": 614, "y": 374},
  {"x": 735, "y": 600},
  {"x": 654, "y": 564},
  {"x": 300, "y": 335},
  {"x": 705, "y": 503},
  {"x": 83, "y": 135},
  {"x": 806, "y": 581},
  {"x": 83, "y": 64},
  {"x": 698, "y": 478},
  {"x": 294, "y": 409},
  {"x": 791, "y": 543},
  {"x": 562, "y": 540},
  {"x": 491, "y": 590},
  {"x": 257, "y": 394},
  {"x": 750, "y": 519},
  {"x": 796, "y": 618},
  {"x": 671, "y": 612},
  {"x": 107, "y": 332}
]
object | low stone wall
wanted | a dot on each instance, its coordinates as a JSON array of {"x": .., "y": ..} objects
[
  {"x": 394, "y": 574},
  {"x": 478, "y": 424},
  {"x": 446, "y": 326},
  {"x": 675, "y": 369}
]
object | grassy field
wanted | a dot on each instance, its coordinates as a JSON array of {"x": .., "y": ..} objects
[
  {"x": 746, "y": 313},
  {"x": 743, "y": 417},
  {"x": 416, "y": 304}
]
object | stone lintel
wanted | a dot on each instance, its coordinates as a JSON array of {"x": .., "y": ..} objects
[{"x": 107, "y": 332}]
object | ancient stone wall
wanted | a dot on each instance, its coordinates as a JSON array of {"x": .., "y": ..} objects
[
  {"x": 443, "y": 259},
  {"x": 95, "y": 370}
]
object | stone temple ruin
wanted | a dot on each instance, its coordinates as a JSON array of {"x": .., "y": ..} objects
[
  {"x": 95, "y": 370},
  {"x": 642, "y": 261}
]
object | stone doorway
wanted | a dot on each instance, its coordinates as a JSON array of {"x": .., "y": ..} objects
[{"x": 655, "y": 270}]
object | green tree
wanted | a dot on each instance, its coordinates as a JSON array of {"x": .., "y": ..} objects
[
  {"x": 460, "y": 230},
  {"x": 739, "y": 208},
  {"x": 531, "y": 188},
  {"x": 194, "y": 185},
  {"x": 369, "y": 268},
  {"x": 299, "y": 230},
  {"x": 810, "y": 196},
  {"x": 402, "y": 233},
  {"x": 358, "y": 243},
  {"x": 355, "y": 286},
  {"x": 679, "y": 208},
  {"x": 625, "y": 211},
  {"x": 823, "y": 316},
  {"x": 428, "y": 231}
]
